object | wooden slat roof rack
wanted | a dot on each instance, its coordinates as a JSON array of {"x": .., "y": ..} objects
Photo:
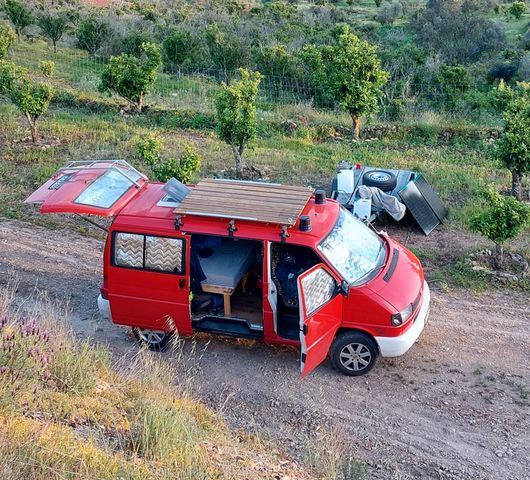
[{"x": 243, "y": 200}]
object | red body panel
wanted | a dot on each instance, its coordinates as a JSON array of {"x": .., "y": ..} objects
[
  {"x": 319, "y": 328},
  {"x": 147, "y": 299}
]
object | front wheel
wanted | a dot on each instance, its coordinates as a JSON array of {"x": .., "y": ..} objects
[
  {"x": 353, "y": 353},
  {"x": 152, "y": 339}
]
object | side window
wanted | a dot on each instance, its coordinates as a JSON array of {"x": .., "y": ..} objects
[
  {"x": 129, "y": 250},
  {"x": 318, "y": 288},
  {"x": 162, "y": 254}
]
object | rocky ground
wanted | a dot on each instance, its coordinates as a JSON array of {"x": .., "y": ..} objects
[{"x": 457, "y": 406}]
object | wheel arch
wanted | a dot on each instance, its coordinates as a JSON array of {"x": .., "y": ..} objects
[{"x": 342, "y": 330}]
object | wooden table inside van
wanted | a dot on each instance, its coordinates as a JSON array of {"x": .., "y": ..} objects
[
  {"x": 225, "y": 292},
  {"x": 225, "y": 268}
]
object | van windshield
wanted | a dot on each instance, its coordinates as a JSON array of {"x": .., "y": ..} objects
[{"x": 353, "y": 249}]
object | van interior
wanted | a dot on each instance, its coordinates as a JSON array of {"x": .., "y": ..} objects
[
  {"x": 287, "y": 263},
  {"x": 227, "y": 285}
]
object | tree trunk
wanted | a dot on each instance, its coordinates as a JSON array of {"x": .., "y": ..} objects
[
  {"x": 238, "y": 156},
  {"x": 54, "y": 46},
  {"x": 140, "y": 103},
  {"x": 356, "y": 126},
  {"x": 33, "y": 127},
  {"x": 499, "y": 255},
  {"x": 517, "y": 186}
]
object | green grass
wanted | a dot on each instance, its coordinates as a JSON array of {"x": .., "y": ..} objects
[{"x": 454, "y": 154}]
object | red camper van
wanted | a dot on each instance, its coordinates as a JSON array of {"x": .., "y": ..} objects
[{"x": 282, "y": 264}]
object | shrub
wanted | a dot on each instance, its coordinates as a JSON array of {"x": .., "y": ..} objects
[
  {"x": 182, "y": 169},
  {"x": 389, "y": 12},
  {"x": 502, "y": 219},
  {"x": 53, "y": 26},
  {"x": 25, "y": 351},
  {"x": 517, "y": 9},
  {"x": 74, "y": 369},
  {"x": 132, "y": 43},
  {"x": 19, "y": 15},
  {"x": 150, "y": 148},
  {"x": 453, "y": 82},
  {"x": 132, "y": 77},
  {"x": 8, "y": 72},
  {"x": 180, "y": 48},
  {"x": 236, "y": 113},
  {"x": 91, "y": 33},
  {"x": 226, "y": 50},
  {"x": 459, "y": 30},
  {"x": 159, "y": 429},
  {"x": 47, "y": 67},
  {"x": 7, "y": 38}
]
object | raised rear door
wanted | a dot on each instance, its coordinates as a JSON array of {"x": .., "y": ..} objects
[
  {"x": 100, "y": 188},
  {"x": 320, "y": 315}
]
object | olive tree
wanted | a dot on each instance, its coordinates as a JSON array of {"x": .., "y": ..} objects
[
  {"x": 349, "y": 72},
  {"x": 236, "y": 113},
  {"x": 513, "y": 147},
  {"x": 7, "y": 38},
  {"x": 53, "y": 26},
  {"x": 132, "y": 77},
  {"x": 459, "y": 30},
  {"x": 502, "y": 219},
  {"x": 31, "y": 97},
  {"x": 19, "y": 15},
  {"x": 91, "y": 33},
  {"x": 183, "y": 49}
]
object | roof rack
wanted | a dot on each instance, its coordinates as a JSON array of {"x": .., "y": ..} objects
[
  {"x": 121, "y": 166},
  {"x": 244, "y": 200}
]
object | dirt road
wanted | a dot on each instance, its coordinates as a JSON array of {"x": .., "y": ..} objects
[{"x": 457, "y": 406}]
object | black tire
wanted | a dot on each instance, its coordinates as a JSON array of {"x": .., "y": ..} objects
[
  {"x": 351, "y": 350},
  {"x": 153, "y": 340},
  {"x": 382, "y": 179}
]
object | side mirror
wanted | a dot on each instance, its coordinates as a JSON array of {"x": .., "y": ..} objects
[{"x": 345, "y": 288}]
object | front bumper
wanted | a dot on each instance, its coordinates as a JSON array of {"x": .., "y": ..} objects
[
  {"x": 104, "y": 308},
  {"x": 396, "y": 346}
]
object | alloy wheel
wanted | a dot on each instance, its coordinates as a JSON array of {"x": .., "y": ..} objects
[{"x": 355, "y": 357}]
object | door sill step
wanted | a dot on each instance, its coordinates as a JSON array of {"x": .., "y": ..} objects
[{"x": 232, "y": 327}]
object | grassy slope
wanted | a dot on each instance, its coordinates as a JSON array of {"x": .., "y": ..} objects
[{"x": 67, "y": 412}]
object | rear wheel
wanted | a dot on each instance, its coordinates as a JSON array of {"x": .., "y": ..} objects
[
  {"x": 152, "y": 339},
  {"x": 353, "y": 353}
]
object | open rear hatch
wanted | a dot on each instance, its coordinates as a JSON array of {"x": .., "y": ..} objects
[{"x": 90, "y": 187}]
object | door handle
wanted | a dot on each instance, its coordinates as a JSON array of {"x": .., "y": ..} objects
[{"x": 182, "y": 284}]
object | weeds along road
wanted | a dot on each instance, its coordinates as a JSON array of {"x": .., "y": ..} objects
[{"x": 457, "y": 406}]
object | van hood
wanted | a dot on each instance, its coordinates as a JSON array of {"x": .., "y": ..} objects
[{"x": 402, "y": 279}]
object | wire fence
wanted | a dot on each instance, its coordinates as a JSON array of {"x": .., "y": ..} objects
[{"x": 195, "y": 89}]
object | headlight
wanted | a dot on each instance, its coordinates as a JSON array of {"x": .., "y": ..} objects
[{"x": 400, "y": 318}]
